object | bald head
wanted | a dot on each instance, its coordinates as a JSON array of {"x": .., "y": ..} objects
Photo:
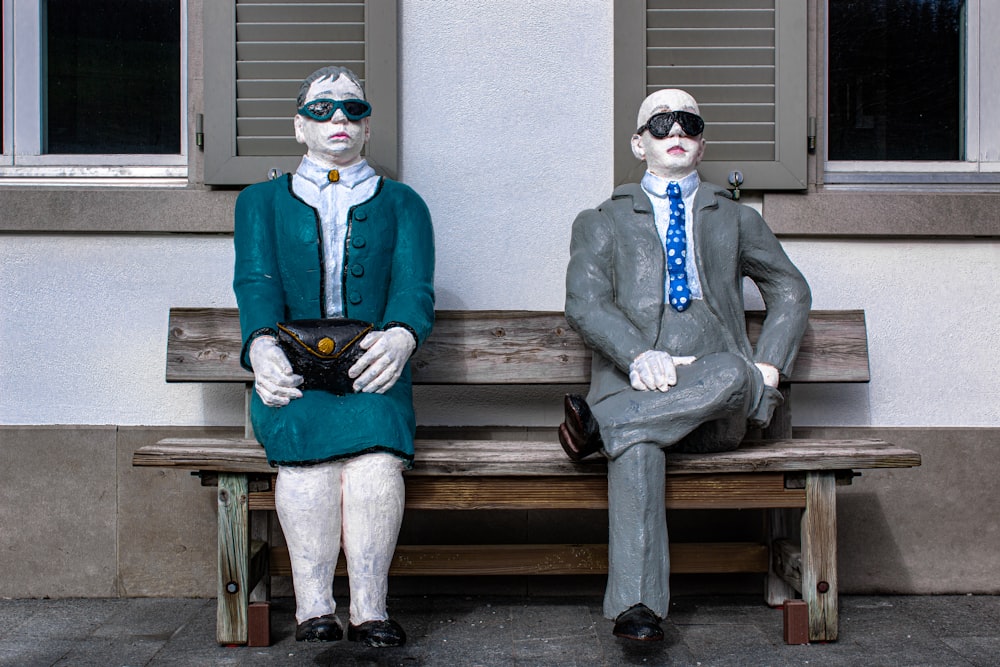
[{"x": 668, "y": 99}]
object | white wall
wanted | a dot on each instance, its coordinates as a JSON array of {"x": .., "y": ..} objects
[
  {"x": 84, "y": 319},
  {"x": 933, "y": 317},
  {"x": 506, "y": 132}
]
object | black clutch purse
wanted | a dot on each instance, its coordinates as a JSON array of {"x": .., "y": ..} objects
[{"x": 323, "y": 350}]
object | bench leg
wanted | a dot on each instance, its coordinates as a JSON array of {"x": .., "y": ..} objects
[
  {"x": 783, "y": 525},
  {"x": 819, "y": 555},
  {"x": 260, "y": 533},
  {"x": 259, "y": 612},
  {"x": 234, "y": 546}
]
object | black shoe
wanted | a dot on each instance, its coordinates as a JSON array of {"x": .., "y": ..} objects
[
  {"x": 579, "y": 435},
  {"x": 640, "y": 623},
  {"x": 378, "y": 634},
  {"x": 320, "y": 629}
]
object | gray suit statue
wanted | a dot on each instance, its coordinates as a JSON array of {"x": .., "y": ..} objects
[{"x": 679, "y": 376}]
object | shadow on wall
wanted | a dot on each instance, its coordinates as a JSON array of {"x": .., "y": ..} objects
[{"x": 870, "y": 559}]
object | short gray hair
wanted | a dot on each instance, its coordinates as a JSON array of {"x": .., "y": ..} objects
[{"x": 332, "y": 72}]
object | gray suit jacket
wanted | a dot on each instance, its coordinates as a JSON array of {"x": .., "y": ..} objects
[{"x": 614, "y": 282}]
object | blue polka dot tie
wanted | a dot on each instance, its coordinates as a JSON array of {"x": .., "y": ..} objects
[{"x": 680, "y": 295}]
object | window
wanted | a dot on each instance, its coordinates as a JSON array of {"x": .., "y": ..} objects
[
  {"x": 909, "y": 91},
  {"x": 256, "y": 58},
  {"x": 93, "y": 88},
  {"x": 745, "y": 63}
]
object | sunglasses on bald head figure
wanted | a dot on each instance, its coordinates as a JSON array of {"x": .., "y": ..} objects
[{"x": 659, "y": 124}]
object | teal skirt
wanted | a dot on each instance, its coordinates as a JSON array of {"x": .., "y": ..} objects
[{"x": 321, "y": 426}]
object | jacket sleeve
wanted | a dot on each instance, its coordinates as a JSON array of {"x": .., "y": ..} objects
[
  {"x": 410, "y": 302},
  {"x": 591, "y": 306},
  {"x": 256, "y": 276},
  {"x": 784, "y": 290}
]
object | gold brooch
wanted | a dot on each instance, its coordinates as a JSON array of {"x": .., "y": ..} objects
[{"x": 333, "y": 175}]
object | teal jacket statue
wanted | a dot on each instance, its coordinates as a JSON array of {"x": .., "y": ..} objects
[
  {"x": 387, "y": 280},
  {"x": 336, "y": 240}
]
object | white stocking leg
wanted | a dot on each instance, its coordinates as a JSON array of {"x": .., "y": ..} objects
[
  {"x": 307, "y": 500},
  {"x": 373, "y": 510}
]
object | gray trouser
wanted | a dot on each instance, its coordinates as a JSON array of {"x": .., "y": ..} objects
[
  {"x": 707, "y": 410},
  {"x": 638, "y": 552}
]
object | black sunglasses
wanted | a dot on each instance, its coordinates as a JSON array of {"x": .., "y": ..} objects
[
  {"x": 324, "y": 109},
  {"x": 659, "y": 124}
]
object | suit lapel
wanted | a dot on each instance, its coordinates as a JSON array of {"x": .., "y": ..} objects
[{"x": 705, "y": 231}]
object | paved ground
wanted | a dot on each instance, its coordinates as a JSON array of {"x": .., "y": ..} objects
[{"x": 446, "y": 630}]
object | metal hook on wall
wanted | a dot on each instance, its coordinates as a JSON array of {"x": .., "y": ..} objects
[{"x": 736, "y": 180}]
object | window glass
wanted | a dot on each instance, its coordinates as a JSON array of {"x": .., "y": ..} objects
[
  {"x": 896, "y": 72},
  {"x": 111, "y": 77}
]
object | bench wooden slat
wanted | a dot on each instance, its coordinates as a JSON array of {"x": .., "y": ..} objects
[
  {"x": 502, "y": 347},
  {"x": 535, "y": 559},
  {"x": 725, "y": 491},
  {"x": 487, "y": 458}
]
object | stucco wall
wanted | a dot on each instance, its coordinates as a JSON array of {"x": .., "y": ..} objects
[
  {"x": 506, "y": 132},
  {"x": 84, "y": 323}
]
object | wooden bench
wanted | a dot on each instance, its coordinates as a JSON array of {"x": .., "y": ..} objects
[{"x": 794, "y": 480}]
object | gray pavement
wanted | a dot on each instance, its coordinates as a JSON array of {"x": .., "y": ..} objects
[{"x": 497, "y": 630}]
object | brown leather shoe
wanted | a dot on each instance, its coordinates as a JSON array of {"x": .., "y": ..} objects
[
  {"x": 579, "y": 435},
  {"x": 640, "y": 623}
]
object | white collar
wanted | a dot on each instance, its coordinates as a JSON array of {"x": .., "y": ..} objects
[
  {"x": 657, "y": 186},
  {"x": 349, "y": 176}
]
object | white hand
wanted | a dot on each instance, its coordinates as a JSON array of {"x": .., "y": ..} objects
[
  {"x": 655, "y": 371},
  {"x": 272, "y": 373},
  {"x": 770, "y": 374},
  {"x": 379, "y": 368}
]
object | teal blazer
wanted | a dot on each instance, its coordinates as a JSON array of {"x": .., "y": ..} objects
[{"x": 387, "y": 279}]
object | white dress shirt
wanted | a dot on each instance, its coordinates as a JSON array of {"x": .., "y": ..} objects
[
  {"x": 333, "y": 201},
  {"x": 656, "y": 189}
]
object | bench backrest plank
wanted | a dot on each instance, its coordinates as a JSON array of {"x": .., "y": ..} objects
[{"x": 503, "y": 347}]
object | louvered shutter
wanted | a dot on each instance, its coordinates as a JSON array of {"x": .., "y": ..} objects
[
  {"x": 256, "y": 55},
  {"x": 745, "y": 63}
]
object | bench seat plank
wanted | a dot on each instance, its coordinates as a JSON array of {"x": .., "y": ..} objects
[{"x": 489, "y": 458}]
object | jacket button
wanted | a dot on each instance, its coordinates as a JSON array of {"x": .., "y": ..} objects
[
  {"x": 354, "y": 298},
  {"x": 358, "y": 241},
  {"x": 357, "y": 270},
  {"x": 360, "y": 216}
]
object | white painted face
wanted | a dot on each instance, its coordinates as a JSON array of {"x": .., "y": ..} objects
[
  {"x": 676, "y": 155},
  {"x": 334, "y": 143}
]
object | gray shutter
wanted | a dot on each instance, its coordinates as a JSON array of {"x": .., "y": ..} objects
[
  {"x": 256, "y": 55},
  {"x": 745, "y": 63}
]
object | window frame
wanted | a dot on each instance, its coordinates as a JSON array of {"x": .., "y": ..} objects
[
  {"x": 788, "y": 171},
  {"x": 23, "y": 161},
  {"x": 973, "y": 173}
]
